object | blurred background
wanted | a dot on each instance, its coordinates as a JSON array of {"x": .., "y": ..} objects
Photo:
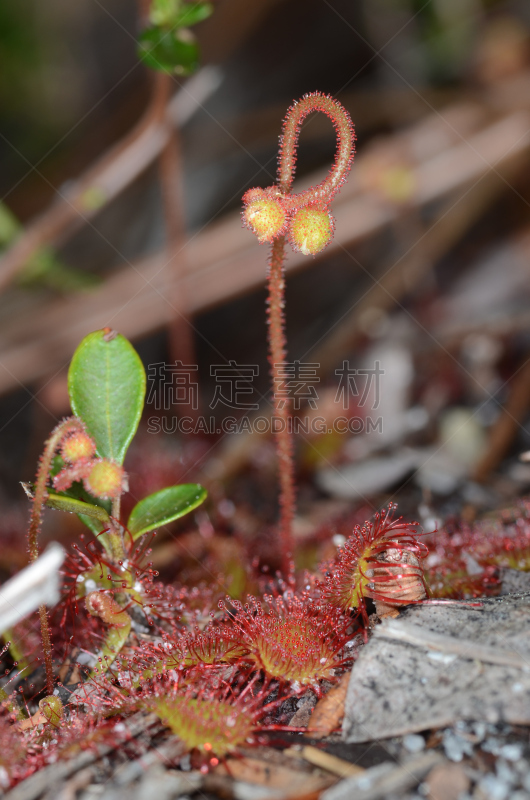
[{"x": 121, "y": 192}]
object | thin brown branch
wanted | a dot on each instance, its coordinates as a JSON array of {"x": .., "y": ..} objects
[
  {"x": 506, "y": 426},
  {"x": 222, "y": 262},
  {"x": 110, "y": 175},
  {"x": 180, "y": 329}
]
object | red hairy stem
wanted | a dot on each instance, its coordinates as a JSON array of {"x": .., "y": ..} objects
[
  {"x": 70, "y": 425},
  {"x": 66, "y": 426},
  {"x": 284, "y": 443},
  {"x": 268, "y": 213}
]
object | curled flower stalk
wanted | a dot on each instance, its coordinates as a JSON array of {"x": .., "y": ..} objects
[{"x": 273, "y": 214}]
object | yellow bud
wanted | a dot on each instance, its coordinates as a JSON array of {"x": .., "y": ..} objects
[
  {"x": 78, "y": 447},
  {"x": 311, "y": 229},
  {"x": 266, "y": 217},
  {"x": 105, "y": 479}
]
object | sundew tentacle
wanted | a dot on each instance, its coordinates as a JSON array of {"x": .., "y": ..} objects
[
  {"x": 382, "y": 561},
  {"x": 290, "y": 638}
]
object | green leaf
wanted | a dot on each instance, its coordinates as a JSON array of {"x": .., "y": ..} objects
[
  {"x": 192, "y": 13},
  {"x": 164, "y": 12},
  {"x": 163, "y": 507},
  {"x": 172, "y": 14},
  {"x": 73, "y": 506},
  {"x": 168, "y": 51},
  {"x": 106, "y": 383}
]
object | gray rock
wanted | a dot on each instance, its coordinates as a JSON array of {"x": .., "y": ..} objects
[
  {"x": 514, "y": 581},
  {"x": 454, "y": 661}
]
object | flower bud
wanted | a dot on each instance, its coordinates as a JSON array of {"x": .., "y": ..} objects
[
  {"x": 105, "y": 479},
  {"x": 311, "y": 229},
  {"x": 78, "y": 446},
  {"x": 264, "y": 214},
  {"x": 51, "y": 708}
]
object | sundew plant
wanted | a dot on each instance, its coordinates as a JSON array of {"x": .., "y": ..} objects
[{"x": 216, "y": 671}]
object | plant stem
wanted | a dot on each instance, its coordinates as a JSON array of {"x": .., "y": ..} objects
[
  {"x": 276, "y": 279},
  {"x": 284, "y": 442},
  {"x": 115, "y": 535},
  {"x": 64, "y": 427},
  {"x": 46, "y": 647}
]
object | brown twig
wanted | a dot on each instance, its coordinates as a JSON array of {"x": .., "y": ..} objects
[
  {"x": 109, "y": 176},
  {"x": 222, "y": 264},
  {"x": 507, "y": 423},
  {"x": 181, "y": 340}
]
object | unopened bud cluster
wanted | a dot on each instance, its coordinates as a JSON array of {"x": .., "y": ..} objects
[
  {"x": 269, "y": 215},
  {"x": 101, "y": 477}
]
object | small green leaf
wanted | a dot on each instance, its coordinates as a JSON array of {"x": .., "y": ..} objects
[
  {"x": 164, "y": 12},
  {"x": 168, "y": 51},
  {"x": 192, "y": 13},
  {"x": 73, "y": 506},
  {"x": 163, "y": 507},
  {"x": 174, "y": 14},
  {"x": 106, "y": 383}
]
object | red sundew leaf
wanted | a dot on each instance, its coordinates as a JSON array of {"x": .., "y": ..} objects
[{"x": 463, "y": 559}]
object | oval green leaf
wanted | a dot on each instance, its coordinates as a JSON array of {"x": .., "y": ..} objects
[
  {"x": 106, "y": 383},
  {"x": 74, "y": 506},
  {"x": 192, "y": 13},
  {"x": 163, "y": 507},
  {"x": 172, "y": 14},
  {"x": 164, "y": 50}
]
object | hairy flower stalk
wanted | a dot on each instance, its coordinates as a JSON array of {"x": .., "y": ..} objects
[
  {"x": 271, "y": 214},
  {"x": 67, "y": 426}
]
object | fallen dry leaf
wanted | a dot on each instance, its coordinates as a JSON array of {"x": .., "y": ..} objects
[
  {"x": 330, "y": 710},
  {"x": 38, "y": 718}
]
